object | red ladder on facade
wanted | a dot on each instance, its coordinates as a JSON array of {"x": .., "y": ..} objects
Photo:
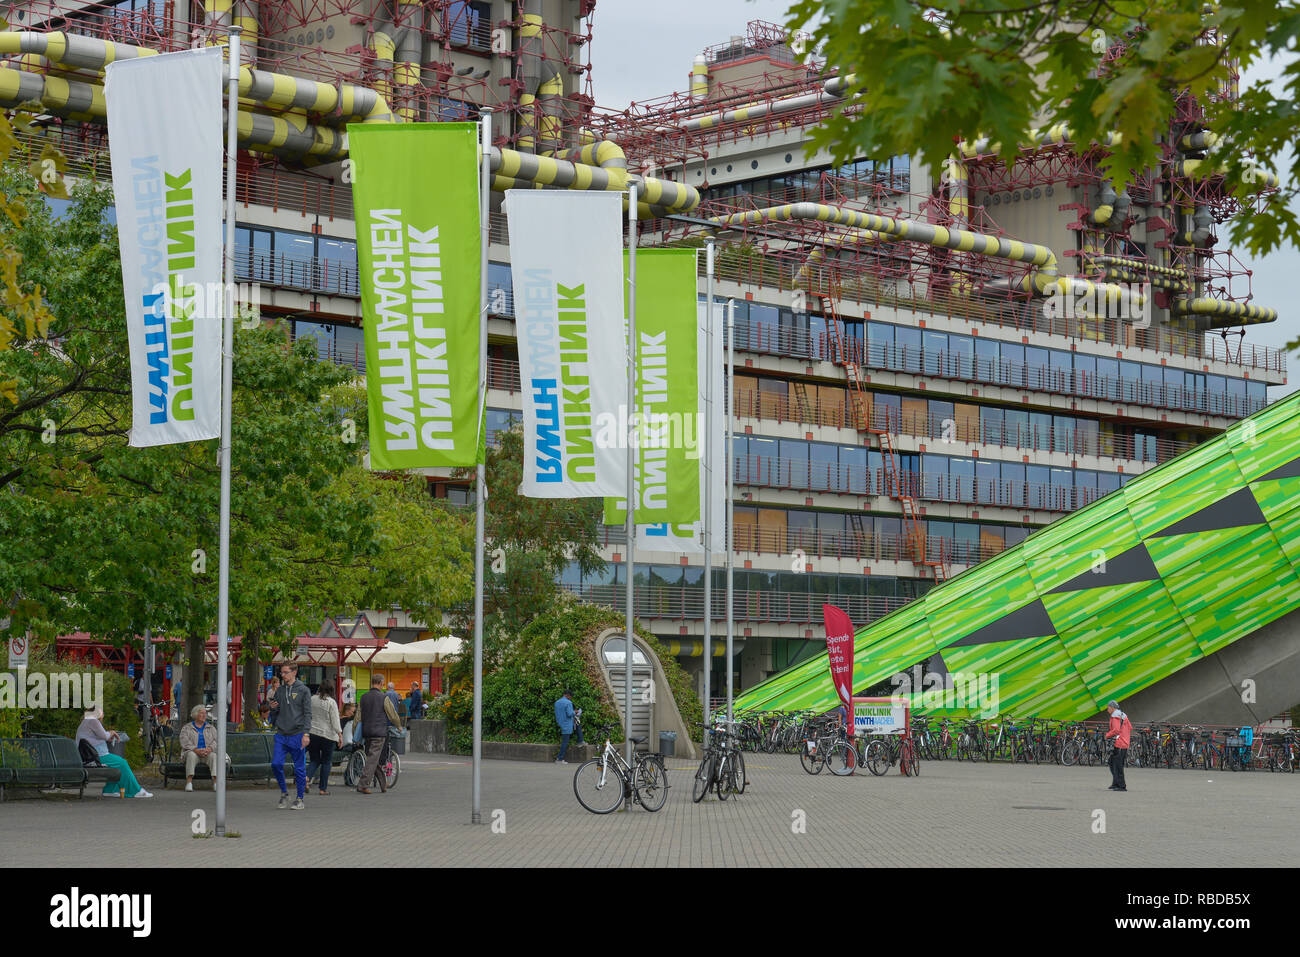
[{"x": 915, "y": 536}]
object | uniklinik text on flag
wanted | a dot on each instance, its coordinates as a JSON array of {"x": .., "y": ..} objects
[
  {"x": 561, "y": 382},
  {"x": 415, "y": 378},
  {"x": 165, "y": 232}
]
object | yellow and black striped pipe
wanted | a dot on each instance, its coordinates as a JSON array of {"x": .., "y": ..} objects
[
  {"x": 831, "y": 90},
  {"x": 1173, "y": 272},
  {"x": 1049, "y": 136},
  {"x": 655, "y": 196},
  {"x": 287, "y": 135},
  {"x": 1042, "y": 280},
  {"x": 274, "y": 90},
  {"x": 217, "y": 17},
  {"x": 700, "y": 79},
  {"x": 1192, "y": 168},
  {"x": 1223, "y": 314},
  {"x": 530, "y": 73}
]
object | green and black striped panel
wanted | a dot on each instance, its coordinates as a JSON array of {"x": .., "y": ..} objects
[{"x": 1179, "y": 563}]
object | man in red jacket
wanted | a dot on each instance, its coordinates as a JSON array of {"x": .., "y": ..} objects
[{"x": 1120, "y": 728}]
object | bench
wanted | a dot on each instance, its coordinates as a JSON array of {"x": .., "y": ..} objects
[
  {"x": 248, "y": 753},
  {"x": 47, "y": 762}
]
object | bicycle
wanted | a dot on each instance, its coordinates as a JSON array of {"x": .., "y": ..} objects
[
  {"x": 389, "y": 764},
  {"x": 602, "y": 784},
  {"x": 883, "y": 751},
  {"x": 730, "y": 776},
  {"x": 722, "y": 767},
  {"x": 156, "y": 729}
]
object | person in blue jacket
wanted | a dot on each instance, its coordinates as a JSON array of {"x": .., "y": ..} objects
[{"x": 564, "y": 718}]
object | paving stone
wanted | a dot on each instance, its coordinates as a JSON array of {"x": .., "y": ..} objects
[{"x": 953, "y": 814}]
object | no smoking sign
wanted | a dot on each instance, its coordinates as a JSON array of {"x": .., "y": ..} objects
[{"x": 18, "y": 649}]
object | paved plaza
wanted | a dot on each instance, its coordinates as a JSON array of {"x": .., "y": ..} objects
[{"x": 954, "y": 814}]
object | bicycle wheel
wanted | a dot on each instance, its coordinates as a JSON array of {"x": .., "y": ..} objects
[
  {"x": 352, "y": 772},
  {"x": 652, "y": 783},
  {"x": 598, "y": 787},
  {"x": 392, "y": 768},
  {"x": 877, "y": 757},
  {"x": 721, "y": 777},
  {"x": 907, "y": 757},
  {"x": 1070, "y": 754},
  {"x": 703, "y": 779},
  {"x": 738, "y": 767},
  {"x": 811, "y": 757},
  {"x": 842, "y": 760}
]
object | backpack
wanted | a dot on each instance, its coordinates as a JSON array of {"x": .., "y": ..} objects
[{"x": 89, "y": 756}]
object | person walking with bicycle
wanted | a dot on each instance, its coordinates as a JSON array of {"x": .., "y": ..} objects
[
  {"x": 1120, "y": 729},
  {"x": 377, "y": 713},
  {"x": 564, "y": 717}
]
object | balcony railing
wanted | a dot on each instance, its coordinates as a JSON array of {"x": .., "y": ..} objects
[
  {"x": 315, "y": 275},
  {"x": 685, "y": 603},
  {"x": 503, "y": 374},
  {"x": 798, "y": 474},
  {"x": 779, "y": 276},
  {"x": 858, "y": 547},
  {"x": 785, "y": 341},
  {"x": 352, "y": 355}
]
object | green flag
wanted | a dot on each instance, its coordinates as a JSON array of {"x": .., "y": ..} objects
[
  {"x": 416, "y": 194},
  {"x": 668, "y": 426}
]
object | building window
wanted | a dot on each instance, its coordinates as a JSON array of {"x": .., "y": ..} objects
[{"x": 468, "y": 23}]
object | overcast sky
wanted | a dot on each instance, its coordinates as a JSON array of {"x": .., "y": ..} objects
[{"x": 636, "y": 56}]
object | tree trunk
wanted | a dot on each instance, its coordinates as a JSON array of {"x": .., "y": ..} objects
[
  {"x": 192, "y": 688},
  {"x": 252, "y": 679}
]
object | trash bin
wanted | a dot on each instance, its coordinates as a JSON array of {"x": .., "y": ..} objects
[
  {"x": 118, "y": 747},
  {"x": 668, "y": 743},
  {"x": 397, "y": 741}
]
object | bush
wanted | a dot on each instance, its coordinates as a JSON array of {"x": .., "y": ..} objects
[
  {"x": 556, "y": 651},
  {"x": 11, "y": 722},
  {"x": 118, "y": 704}
]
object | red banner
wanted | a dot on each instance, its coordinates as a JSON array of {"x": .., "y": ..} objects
[{"x": 839, "y": 649}]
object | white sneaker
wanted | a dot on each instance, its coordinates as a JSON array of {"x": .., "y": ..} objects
[
  {"x": 189, "y": 785},
  {"x": 142, "y": 793},
  {"x": 558, "y": 761}
]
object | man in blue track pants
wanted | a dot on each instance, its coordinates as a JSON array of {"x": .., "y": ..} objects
[{"x": 292, "y": 733}]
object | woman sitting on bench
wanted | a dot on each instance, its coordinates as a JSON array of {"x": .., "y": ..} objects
[
  {"x": 92, "y": 729},
  {"x": 199, "y": 743}
]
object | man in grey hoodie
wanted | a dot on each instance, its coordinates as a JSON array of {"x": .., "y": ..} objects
[{"x": 292, "y": 733}]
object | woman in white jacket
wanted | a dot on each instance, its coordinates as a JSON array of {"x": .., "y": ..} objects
[{"x": 326, "y": 735}]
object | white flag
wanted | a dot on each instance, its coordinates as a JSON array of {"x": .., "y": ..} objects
[
  {"x": 566, "y": 260},
  {"x": 689, "y": 538},
  {"x": 164, "y": 124}
]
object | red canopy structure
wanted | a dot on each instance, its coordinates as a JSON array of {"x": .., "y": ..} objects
[{"x": 335, "y": 642}]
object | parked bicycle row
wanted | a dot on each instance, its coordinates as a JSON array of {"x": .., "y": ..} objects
[{"x": 1028, "y": 740}]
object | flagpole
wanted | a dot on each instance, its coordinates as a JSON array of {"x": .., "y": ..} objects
[
  {"x": 227, "y": 381},
  {"x": 729, "y": 504},
  {"x": 708, "y": 487},
  {"x": 631, "y": 461},
  {"x": 480, "y": 493}
]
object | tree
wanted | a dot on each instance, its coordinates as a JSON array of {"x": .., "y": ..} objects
[
  {"x": 69, "y": 374},
  {"x": 530, "y": 541},
  {"x": 24, "y": 309},
  {"x": 930, "y": 73},
  {"x": 109, "y": 539}
]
